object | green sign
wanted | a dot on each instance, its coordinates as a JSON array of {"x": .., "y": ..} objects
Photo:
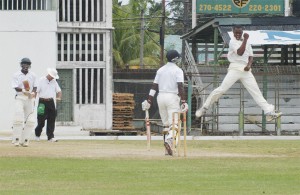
[{"x": 240, "y": 6}]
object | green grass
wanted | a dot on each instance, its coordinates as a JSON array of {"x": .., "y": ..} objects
[{"x": 212, "y": 167}]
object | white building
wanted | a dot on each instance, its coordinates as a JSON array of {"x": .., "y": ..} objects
[{"x": 75, "y": 36}]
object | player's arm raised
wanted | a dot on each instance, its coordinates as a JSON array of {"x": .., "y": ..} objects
[{"x": 242, "y": 48}]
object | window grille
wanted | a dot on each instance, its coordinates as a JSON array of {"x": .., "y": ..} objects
[
  {"x": 81, "y": 10},
  {"x": 90, "y": 84},
  {"x": 24, "y": 4},
  {"x": 80, "y": 47}
]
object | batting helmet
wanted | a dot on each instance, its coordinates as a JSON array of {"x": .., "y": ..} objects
[
  {"x": 172, "y": 55},
  {"x": 25, "y": 61}
]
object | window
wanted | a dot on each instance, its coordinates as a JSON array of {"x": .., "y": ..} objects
[
  {"x": 24, "y": 4},
  {"x": 90, "y": 84},
  {"x": 80, "y": 47},
  {"x": 81, "y": 10}
]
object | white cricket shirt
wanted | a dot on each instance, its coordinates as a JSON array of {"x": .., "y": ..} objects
[
  {"x": 19, "y": 77},
  {"x": 167, "y": 78},
  {"x": 236, "y": 61},
  {"x": 47, "y": 89}
]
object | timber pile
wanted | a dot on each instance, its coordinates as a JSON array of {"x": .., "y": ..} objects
[{"x": 123, "y": 106}]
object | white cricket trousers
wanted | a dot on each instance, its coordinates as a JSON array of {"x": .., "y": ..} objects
[
  {"x": 167, "y": 104},
  {"x": 23, "y": 122},
  {"x": 249, "y": 82}
]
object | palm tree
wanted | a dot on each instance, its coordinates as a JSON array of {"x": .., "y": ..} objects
[{"x": 127, "y": 39}]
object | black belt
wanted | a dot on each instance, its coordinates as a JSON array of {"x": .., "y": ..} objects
[{"x": 46, "y": 99}]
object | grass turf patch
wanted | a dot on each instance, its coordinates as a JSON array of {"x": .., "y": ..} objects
[{"x": 254, "y": 167}]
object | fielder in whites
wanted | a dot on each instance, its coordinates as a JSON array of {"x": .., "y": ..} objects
[
  {"x": 25, "y": 84},
  {"x": 168, "y": 83},
  {"x": 240, "y": 56}
]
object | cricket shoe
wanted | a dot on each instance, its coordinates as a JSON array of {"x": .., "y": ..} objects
[
  {"x": 53, "y": 140},
  {"x": 25, "y": 144},
  {"x": 200, "y": 112},
  {"x": 168, "y": 145},
  {"x": 37, "y": 138},
  {"x": 273, "y": 115}
]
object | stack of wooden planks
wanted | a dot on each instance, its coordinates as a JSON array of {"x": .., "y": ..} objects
[{"x": 123, "y": 106}]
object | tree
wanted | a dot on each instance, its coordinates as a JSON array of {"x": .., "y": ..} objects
[{"x": 126, "y": 36}]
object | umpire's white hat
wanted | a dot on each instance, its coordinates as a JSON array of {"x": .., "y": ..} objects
[{"x": 53, "y": 73}]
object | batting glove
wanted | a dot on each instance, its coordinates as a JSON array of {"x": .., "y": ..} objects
[
  {"x": 146, "y": 105},
  {"x": 25, "y": 92},
  {"x": 184, "y": 106},
  {"x": 31, "y": 95}
]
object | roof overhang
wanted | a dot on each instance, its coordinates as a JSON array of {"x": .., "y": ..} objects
[{"x": 262, "y": 31}]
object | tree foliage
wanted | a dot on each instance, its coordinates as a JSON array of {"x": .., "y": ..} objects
[
  {"x": 127, "y": 38},
  {"x": 127, "y": 23}
]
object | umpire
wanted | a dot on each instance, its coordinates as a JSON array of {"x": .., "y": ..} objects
[{"x": 48, "y": 92}]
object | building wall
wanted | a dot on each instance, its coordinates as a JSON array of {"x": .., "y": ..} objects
[
  {"x": 76, "y": 39},
  {"x": 29, "y": 34},
  {"x": 85, "y": 47}
]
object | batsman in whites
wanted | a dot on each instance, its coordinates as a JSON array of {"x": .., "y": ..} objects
[
  {"x": 25, "y": 84},
  {"x": 168, "y": 83}
]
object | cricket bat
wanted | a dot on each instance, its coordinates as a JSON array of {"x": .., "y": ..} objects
[
  {"x": 148, "y": 131},
  {"x": 26, "y": 85}
]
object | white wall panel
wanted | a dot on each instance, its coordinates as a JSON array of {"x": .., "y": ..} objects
[
  {"x": 31, "y": 35},
  {"x": 30, "y": 21}
]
